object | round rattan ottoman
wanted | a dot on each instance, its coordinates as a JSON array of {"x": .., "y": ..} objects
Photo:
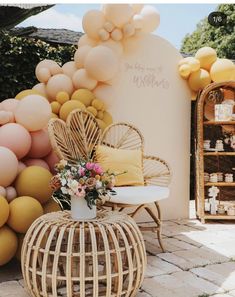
[{"x": 101, "y": 257}]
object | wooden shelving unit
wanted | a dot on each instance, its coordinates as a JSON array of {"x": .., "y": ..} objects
[{"x": 217, "y": 159}]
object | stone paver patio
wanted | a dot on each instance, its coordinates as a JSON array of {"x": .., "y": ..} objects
[{"x": 199, "y": 261}]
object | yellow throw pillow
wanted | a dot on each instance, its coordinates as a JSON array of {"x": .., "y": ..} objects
[{"x": 122, "y": 160}]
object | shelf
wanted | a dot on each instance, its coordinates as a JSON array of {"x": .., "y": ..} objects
[
  {"x": 220, "y": 184},
  {"x": 218, "y": 217},
  {"x": 219, "y": 123},
  {"x": 219, "y": 153}
]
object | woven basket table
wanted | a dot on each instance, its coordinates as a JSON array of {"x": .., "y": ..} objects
[{"x": 101, "y": 257}]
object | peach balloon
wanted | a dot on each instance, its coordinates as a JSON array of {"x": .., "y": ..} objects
[
  {"x": 16, "y": 138},
  {"x": 41, "y": 145},
  {"x": 115, "y": 46},
  {"x": 69, "y": 68},
  {"x": 81, "y": 79},
  {"x": 92, "y": 22},
  {"x": 138, "y": 21},
  {"x": 11, "y": 193},
  {"x": 101, "y": 63},
  {"x": 5, "y": 117},
  {"x": 33, "y": 112},
  {"x": 3, "y": 191},
  {"x": 51, "y": 65},
  {"x": 51, "y": 160},
  {"x": 37, "y": 162},
  {"x": 43, "y": 74},
  {"x": 103, "y": 34},
  {"x": 58, "y": 83},
  {"x": 80, "y": 55},
  {"x": 151, "y": 18},
  {"x": 222, "y": 70},
  {"x": 108, "y": 26},
  {"x": 41, "y": 88},
  {"x": 119, "y": 14},
  {"x": 21, "y": 167},
  {"x": 85, "y": 40},
  {"x": 9, "y": 104},
  {"x": 8, "y": 165},
  {"x": 105, "y": 93},
  {"x": 117, "y": 34}
]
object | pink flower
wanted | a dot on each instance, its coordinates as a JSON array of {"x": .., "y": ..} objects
[
  {"x": 98, "y": 169},
  {"x": 89, "y": 165},
  {"x": 80, "y": 192},
  {"x": 81, "y": 171}
]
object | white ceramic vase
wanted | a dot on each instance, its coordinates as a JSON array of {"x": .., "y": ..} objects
[{"x": 80, "y": 211}]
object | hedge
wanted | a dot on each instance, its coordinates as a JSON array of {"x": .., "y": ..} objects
[{"x": 18, "y": 59}]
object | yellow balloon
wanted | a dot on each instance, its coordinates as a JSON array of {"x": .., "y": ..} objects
[
  {"x": 58, "y": 83},
  {"x": 198, "y": 80},
  {"x": 62, "y": 97},
  {"x": 4, "y": 210},
  {"x": 92, "y": 110},
  {"x": 69, "y": 106},
  {"x": 34, "y": 181},
  {"x": 25, "y": 93},
  {"x": 107, "y": 118},
  {"x": 20, "y": 243},
  {"x": 222, "y": 70},
  {"x": 192, "y": 62},
  {"x": 51, "y": 206},
  {"x": 97, "y": 104},
  {"x": 54, "y": 116},
  {"x": 9, "y": 243},
  {"x": 83, "y": 95},
  {"x": 184, "y": 71},
  {"x": 100, "y": 115},
  {"x": 207, "y": 56},
  {"x": 55, "y": 107},
  {"x": 23, "y": 211},
  {"x": 101, "y": 124}
]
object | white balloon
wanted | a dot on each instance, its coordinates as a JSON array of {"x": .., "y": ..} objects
[
  {"x": 69, "y": 68},
  {"x": 116, "y": 46},
  {"x": 80, "y": 55},
  {"x": 151, "y": 18},
  {"x": 81, "y": 79},
  {"x": 85, "y": 40},
  {"x": 92, "y": 22},
  {"x": 118, "y": 14}
]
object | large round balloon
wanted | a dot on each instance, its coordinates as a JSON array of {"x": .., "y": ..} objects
[
  {"x": 222, "y": 70},
  {"x": 92, "y": 22},
  {"x": 34, "y": 181},
  {"x": 23, "y": 211},
  {"x": 85, "y": 40},
  {"x": 37, "y": 162},
  {"x": 118, "y": 14},
  {"x": 207, "y": 56},
  {"x": 101, "y": 63},
  {"x": 58, "y": 83},
  {"x": 80, "y": 55},
  {"x": 81, "y": 79},
  {"x": 9, "y": 244},
  {"x": 33, "y": 112},
  {"x": 69, "y": 68},
  {"x": 41, "y": 145},
  {"x": 198, "y": 80},
  {"x": 8, "y": 165},
  {"x": 151, "y": 18},
  {"x": 4, "y": 210},
  {"x": 105, "y": 93},
  {"x": 16, "y": 138},
  {"x": 68, "y": 106}
]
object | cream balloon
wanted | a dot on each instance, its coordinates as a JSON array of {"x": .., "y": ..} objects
[
  {"x": 103, "y": 34},
  {"x": 137, "y": 8},
  {"x": 138, "y": 21},
  {"x": 101, "y": 63},
  {"x": 8, "y": 165},
  {"x": 80, "y": 55},
  {"x": 185, "y": 71},
  {"x": 117, "y": 34},
  {"x": 33, "y": 112},
  {"x": 81, "y": 79},
  {"x": 115, "y": 46},
  {"x": 69, "y": 68},
  {"x": 105, "y": 93},
  {"x": 85, "y": 40},
  {"x": 222, "y": 70},
  {"x": 108, "y": 26},
  {"x": 43, "y": 74},
  {"x": 118, "y": 14},
  {"x": 41, "y": 88},
  {"x": 58, "y": 83},
  {"x": 92, "y": 22},
  {"x": 53, "y": 67},
  {"x": 128, "y": 30},
  {"x": 9, "y": 104},
  {"x": 151, "y": 18}
]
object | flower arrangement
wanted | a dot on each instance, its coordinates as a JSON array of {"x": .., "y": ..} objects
[{"x": 86, "y": 180}]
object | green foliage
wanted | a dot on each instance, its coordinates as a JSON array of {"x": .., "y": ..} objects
[
  {"x": 222, "y": 39},
  {"x": 19, "y": 57}
]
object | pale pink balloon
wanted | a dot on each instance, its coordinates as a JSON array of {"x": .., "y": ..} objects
[
  {"x": 80, "y": 55},
  {"x": 43, "y": 74},
  {"x": 10, "y": 104},
  {"x": 5, "y": 117},
  {"x": 41, "y": 145},
  {"x": 11, "y": 193},
  {"x": 51, "y": 160},
  {"x": 69, "y": 68},
  {"x": 82, "y": 80},
  {"x": 33, "y": 112},
  {"x": 41, "y": 88},
  {"x": 16, "y": 138},
  {"x": 36, "y": 162},
  {"x": 3, "y": 191},
  {"x": 8, "y": 165},
  {"x": 21, "y": 166},
  {"x": 58, "y": 83}
]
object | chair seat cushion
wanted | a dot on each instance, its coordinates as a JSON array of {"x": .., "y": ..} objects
[{"x": 139, "y": 194}]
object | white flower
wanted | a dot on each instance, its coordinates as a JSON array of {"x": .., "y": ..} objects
[{"x": 63, "y": 181}]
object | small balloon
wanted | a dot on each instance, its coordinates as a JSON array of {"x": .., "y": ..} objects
[
  {"x": 21, "y": 167},
  {"x": 108, "y": 26},
  {"x": 117, "y": 34},
  {"x": 184, "y": 71},
  {"x": 103, "y": 34},
  {"x": 81, "y": 79},
  {"x": 11, "y": 193},
  {"x": 92, "y": 22},
  {"x": 8, "y": 165},
  {"x": 51, "y": 160},
  {"x": 3, "y": 192},
  {"x": 198, "y": 80},
  {"x": 69, "y": 68},
  {"x": 9, "y": 104}
]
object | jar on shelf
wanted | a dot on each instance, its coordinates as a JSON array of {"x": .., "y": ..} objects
[
  {"x": 221, "y": 209},
  {"x": 228, "y": 177},
  {"x": 206, "y": 177},
  {"x": 206, "y": 144},
  {"x": 219, "y": 146},
  {"x": 231, "y": 210},
  {"x": 220, "y": 176},
  {"x": 213, "y": 178}
]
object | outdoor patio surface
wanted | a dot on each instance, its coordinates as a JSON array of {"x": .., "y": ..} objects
[{"x": 199, "y": 261}]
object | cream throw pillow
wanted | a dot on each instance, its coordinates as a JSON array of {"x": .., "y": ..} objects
[{"x": 122, "y": 160}]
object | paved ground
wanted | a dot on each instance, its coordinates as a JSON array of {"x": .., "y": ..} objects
[{"x": 199, "y": 261}]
